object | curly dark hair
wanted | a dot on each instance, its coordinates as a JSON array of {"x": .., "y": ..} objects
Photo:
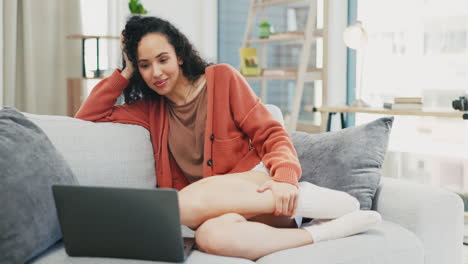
[{"x": 193, "y": 65}]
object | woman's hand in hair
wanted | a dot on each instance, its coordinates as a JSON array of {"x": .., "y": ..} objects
[
  {"x": 127, "y": 72},
  {"x": 285, "y": 195}
]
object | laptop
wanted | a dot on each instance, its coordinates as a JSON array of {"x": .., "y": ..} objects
[{"x": 121, "y": 223}]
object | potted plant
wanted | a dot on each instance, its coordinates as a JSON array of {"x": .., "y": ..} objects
[
  {"x": 136, "y": 8},
  {"x": 265, "y": 29}
]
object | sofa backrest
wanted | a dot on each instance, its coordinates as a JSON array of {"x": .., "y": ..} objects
[
  {"x": 106, "y": 154},
  {"x": 103, "y": 154}
]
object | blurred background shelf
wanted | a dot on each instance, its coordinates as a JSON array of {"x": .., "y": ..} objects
[
  {"x": 314, "y": 23},
  {"x": 75, "y": 92}
]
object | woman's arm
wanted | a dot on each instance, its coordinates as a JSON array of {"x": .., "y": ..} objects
[
  {"x": 100, "y": 104},
  {"x": 268, "y": 136}
]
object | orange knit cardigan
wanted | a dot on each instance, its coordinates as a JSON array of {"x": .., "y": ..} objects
[{"x": 240, "y": 132}]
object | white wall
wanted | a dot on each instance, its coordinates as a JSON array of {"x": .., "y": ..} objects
[
  {"x": 338, "y": 19},
  {"x": 337, "y": 56},
  {"x": 1, "y": 54},
  {"x": 197, "y": 19}
]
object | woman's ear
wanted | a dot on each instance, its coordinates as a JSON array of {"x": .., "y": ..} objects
[{"x": 180, "y": 61}]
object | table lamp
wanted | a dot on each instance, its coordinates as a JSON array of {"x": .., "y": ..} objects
[{"x": 355, "y": 37}]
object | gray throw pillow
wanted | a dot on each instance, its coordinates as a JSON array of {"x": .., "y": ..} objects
[
  {"x": 29, "y": 166},
  {"x": 348, "y": 160}
]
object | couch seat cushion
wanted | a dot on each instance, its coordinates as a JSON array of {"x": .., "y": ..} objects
[
  {"x": 57, "y": 255},
  {"x": 385, "y": 243}
]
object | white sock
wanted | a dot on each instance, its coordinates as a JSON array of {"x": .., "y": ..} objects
[
  {"x": 346, "y": 225},
  {"x": 323, "y": 203}
]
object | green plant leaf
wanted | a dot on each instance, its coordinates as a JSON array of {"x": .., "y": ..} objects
[
  {"x": 264, "y": 24},
  {"x": 132, "y": 6},
  {"x": 136, "y": 7},
  {"x": 140, "y": 9}
]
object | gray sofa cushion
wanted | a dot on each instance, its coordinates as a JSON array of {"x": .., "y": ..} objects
[
  {"x": 30, "y": 165},
  {"x": 348, "y": 160}
]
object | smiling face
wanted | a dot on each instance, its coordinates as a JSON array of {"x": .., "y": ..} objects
[{"x": 158, "y": 64}]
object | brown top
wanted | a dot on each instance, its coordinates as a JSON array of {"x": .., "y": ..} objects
[{"x": 186, "y": 134}]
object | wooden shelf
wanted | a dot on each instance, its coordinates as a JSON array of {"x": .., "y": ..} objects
[
  {"x": 307, "y": 127},
  {"x": 303, "y": 126},
  {"x": 93, "y": 78},
  {"x": 276, "y": 2},
  {"x": 435, "y": 112},
  {"x": 286, "y": 37},
  {"x": 311, "y": 75},
  {"x": 91, "y": 37}
]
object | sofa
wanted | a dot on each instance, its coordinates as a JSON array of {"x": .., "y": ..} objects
[{"x": 421, "y": 224}]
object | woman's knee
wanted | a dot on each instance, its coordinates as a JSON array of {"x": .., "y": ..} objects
[
  {"x": 201, "y": 200},
  {"x": 192, "y": 208},
  {"x": 198, "y": 201},
  {"x": 214, "y": 236}
]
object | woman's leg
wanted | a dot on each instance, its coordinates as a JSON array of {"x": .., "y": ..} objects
[
  {"x": 233, "y": 236},
  {"x": 237, "y": 193},
  {"x": 220, "y": 206},
  {"x": 280, "y": 221},
  {"x": 219, "y": 195}
]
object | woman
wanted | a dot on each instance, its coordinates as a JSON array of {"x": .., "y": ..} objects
[{"x": 204, "y": 120}]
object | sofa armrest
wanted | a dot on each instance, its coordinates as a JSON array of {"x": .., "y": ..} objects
[{"x": 433, "y": 214}]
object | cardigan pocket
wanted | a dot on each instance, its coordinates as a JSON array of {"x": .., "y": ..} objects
[{"x": 228, "y": 152}]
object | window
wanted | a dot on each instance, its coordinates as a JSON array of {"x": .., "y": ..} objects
[
  {"x": 421, "y": 51},
  {"x": 95, "y": 17},
  {"x": 94, "y": 22}
]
